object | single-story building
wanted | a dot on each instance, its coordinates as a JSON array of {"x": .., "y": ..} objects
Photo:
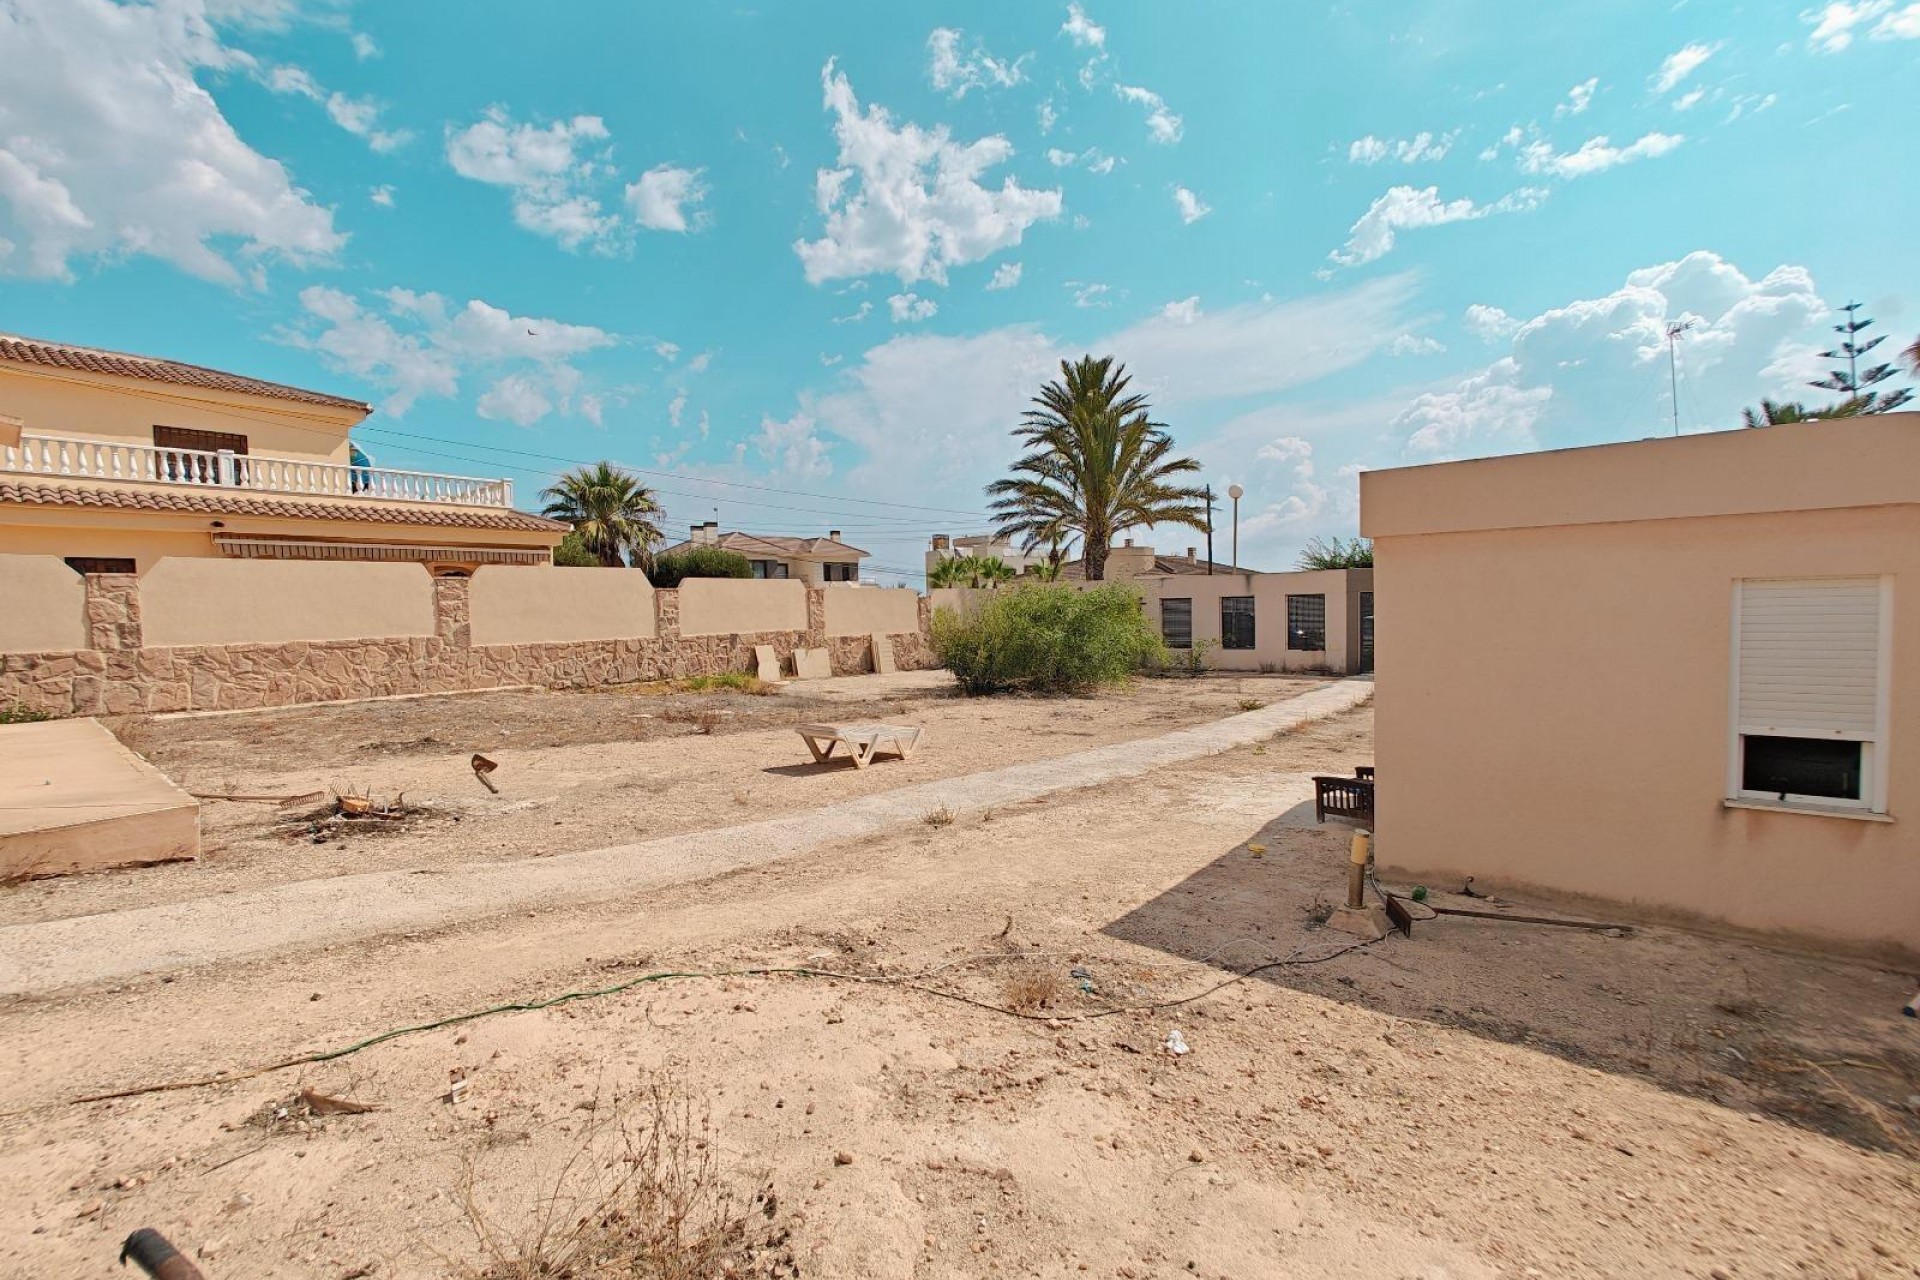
[
  {"x": 811, "y": 560},
  {"x": 1666, "y": 673},
  {"x": 113, "y": 461}
]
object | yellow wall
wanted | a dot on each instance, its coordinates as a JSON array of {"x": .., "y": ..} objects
[
  {"x": 43, "y": 605},
  {"x": 528, "y": 604},
  {"x": 733, "y": 606},
  {"x": 1553, "y": 701},
  {"x": 865, "y": 611},
  {"x": 62, "y": 402},
  {"x": 187, "y": 601}
]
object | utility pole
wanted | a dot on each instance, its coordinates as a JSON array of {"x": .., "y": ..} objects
[
  {"x": 1673, "y": 366},
  {"x": 1209, "y": 530}
]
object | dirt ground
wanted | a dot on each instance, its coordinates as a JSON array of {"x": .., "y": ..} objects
[
  {"x": 1483, "y": 1099},
  {"x": 577, "y": 770}
]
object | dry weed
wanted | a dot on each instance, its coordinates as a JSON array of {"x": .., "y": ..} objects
[
  {"x": 941, "y": 817},
  {"x": 640, "y": 1198},
  {"x": 1030, "y": 989},
  {"x": 1252, "y": 704}
]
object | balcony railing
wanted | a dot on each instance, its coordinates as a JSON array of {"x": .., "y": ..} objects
[{"x": 152, "y": 464}]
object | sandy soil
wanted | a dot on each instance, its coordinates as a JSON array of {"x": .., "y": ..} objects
[
  {"x": 577, "y": 770},
  {"x": 1484, "y": 1099}
]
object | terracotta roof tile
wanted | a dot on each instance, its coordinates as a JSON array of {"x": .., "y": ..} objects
[
  {"x": 761, "y": 545},
  {"x": 204, "y": 502},
  {"x": 61, "y": 355}
]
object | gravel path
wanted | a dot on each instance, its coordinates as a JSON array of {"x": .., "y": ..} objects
[{"x": 52, "y": 955}]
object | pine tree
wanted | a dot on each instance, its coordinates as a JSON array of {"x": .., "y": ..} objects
[{"x": 1853, "y": 382}]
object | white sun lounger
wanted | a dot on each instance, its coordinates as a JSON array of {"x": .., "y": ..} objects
[{"x": 860, "y": 740}]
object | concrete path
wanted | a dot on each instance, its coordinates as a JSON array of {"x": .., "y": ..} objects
[{"x": 50, "y": 955}]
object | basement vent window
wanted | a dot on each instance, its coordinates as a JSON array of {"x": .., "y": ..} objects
[
  {"x": 1810, "y": 692},
  {"x": 1176, "y": 623}
]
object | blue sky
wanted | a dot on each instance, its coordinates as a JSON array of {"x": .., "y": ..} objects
[{"x": 806, "y": 263}]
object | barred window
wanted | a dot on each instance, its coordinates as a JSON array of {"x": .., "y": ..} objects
[
  {"x": 1307, "y": 623},
  {"x": 1236, "y": 622},
  {"x": 1176, "y": 623}
]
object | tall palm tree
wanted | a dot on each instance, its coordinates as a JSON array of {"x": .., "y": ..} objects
[
  {"x": 1910, "y": 357},
  {"x": 1772, "y": 413},
  {"x": 1096, "y": 464},
  {"x": 610, "y": 510}
]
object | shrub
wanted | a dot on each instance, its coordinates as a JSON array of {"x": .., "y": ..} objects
[
  {"x": 20, "y": 713},
  {"x": 1047, "y": 639},
  {"x": 572, "y": 553},
  {"x": 672, "y": 569}
]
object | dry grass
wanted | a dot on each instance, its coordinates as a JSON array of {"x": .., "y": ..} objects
[
  {"x": 1030, "y": 988},
  {"x": 1252, "y": 704},
  {"x": 941, "y": 817},
  {"x": 640, "y": 1198}
]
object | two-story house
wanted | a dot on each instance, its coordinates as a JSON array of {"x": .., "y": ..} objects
[{"x": 112, "y": 461}]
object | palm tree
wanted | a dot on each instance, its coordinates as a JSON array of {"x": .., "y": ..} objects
[
  {"x": 1096, "y": 465},
  {"x": 1911, "y": 358},
  {"x": 1778, "y": 413},
  {"x": 970, "y": 571},
  {"x": 610, "y": 511}
]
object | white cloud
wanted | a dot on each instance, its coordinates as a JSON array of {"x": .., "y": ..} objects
[
  {"x": 1680, "y": 64},
  {"x": 1596, "y": 369},
  {"x": 1579, "y": 98},
  {"x": 706, "y": 425},
  {"x": 1285, "y": 465},
  {"x": 1103, "y": 165},
  {"x": 1185, "y": 311},
  {"x": 1192, "y": 207},
  {"x": 1089, "y": 295},
  {"x": 906, "y": 308},
  {"x": 1370, "y": 150},
  {"x": 861, "y": 312},
  {"x": 1162, "y": 124},
  {"x": 1005, "y": 276},
  {"x": 361, "y": 118},
  {"x": 1047, "y": 116},
  {"x": 793, "y": 448},
  {"x": 663, "y": 196},
  {"x": 415, "y": 347},
  {"x": 909, "y": 200},
  {"x": 700, "y": 362},
  {"x": 676, "y": 407},
  {"x": 1595, "y": 155},
  {"x": 1489, "y": 324},
  {"x": 1834, "y": 24},
  {"x": 1083, "y": 30},
  {"x": 668, "y": 351},
  {"x": 1902, "y": 24},
  {"x": 1408, "y": 208},
  {"x": 1689, "y": 100},
  {"x": 544, "y": 169},
  {"x": 952, "y": 72},
  {"x": 382, "y": 195},
  {"x": 1060, "y": 159},
  {"x": 110, "y": 147},
  {"x": 364, "y": 46},
  {"x": 1414, "y": 344}
]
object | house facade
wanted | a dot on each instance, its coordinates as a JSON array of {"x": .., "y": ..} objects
[
  {"x": 815, "y": 561},
  {"x": 1670, "y": 673},
  {"x": 114, "y": 461},
  {"x": 987, "y": 547}
]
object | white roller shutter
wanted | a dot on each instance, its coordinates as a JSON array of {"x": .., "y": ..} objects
[{"x": 1810, "y": 657}]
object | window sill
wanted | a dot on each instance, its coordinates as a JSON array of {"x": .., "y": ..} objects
[{"x": 1816, "y": 811}]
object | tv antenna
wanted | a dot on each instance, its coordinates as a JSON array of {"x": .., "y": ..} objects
[{"x": 1674, "y": 332}]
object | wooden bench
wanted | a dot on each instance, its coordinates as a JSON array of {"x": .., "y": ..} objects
[
  {"x": 1350, "y": 798},
  {"x": 860, "y": 740}
]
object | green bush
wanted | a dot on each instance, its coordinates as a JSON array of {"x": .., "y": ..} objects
[
  {"x": 1047, "y": 639},
  {"x": 698, "y": 562},
  {"x": 20, "y": 713},
  {"x": 572, "y": 553}
]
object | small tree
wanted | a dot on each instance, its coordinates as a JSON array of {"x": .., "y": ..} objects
[
  {"x": 673, "y": 568},
  {"x": 1337, "y": 553},
  {"x": 572, "y": 553},
  {"x": 1853, "y": 382}
]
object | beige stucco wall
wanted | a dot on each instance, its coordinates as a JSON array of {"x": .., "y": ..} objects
[
  {"x": 1553, "y": 710},
  {"x": 737, "y": 606},
  {"x": 191, "y": 601},
  {"x": 63, "y": 402},
  {"x": 861, "y": 611},
  {"x": 43, "y": 605},
  {"x": 531, "y": 604},
  {"x": 1341, "y": 587}
]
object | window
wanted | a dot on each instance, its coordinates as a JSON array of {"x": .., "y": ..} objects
[
  {"x": 842, "y": 572},
  {"x": 1176, "y": 623},
  {"x": 99, "y": 564},
  {"x": 1809, "y": 692},
  {"x": 1307, "y": 623},
  {"x": 769, "y": 568},
  {"x": 194, "y": 469},
  {"x": 1236, "y": 622}
]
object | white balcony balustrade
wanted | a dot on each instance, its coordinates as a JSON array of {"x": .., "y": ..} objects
[{"x": 59, "y": 458}]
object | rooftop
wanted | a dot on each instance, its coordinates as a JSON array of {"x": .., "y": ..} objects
[
  {"x": 16, "y": 349},
  {"x": 762, "y": 546},
  {"x": 215, "y": 503}
]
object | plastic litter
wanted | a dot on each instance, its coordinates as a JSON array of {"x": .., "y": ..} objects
[{"x": 1176, "y": 1044}]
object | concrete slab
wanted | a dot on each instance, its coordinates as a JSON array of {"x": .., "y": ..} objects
[
  {"x": 72, "y": 798},
  {"x": 882, "y": 655},
  {"x": 812, "y": 664},
  {"x": 766, "y": 663}
]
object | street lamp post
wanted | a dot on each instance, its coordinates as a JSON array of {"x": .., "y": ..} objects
[{"x": 1235, "y": 492}]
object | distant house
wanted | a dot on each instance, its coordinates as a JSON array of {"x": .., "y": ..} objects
[
  {"x": 113, "y": 461},
  {"x": 1129, "y": 561},
  {"x": 810, "y": 560},
  {"x": 987, "y": 547}
]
